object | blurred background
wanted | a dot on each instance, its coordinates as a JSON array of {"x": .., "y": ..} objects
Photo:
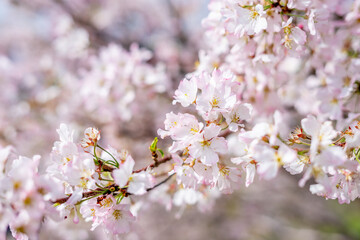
[{"x": 115, "y": 65}]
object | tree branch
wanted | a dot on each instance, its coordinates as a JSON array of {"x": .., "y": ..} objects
[{"x": 122, "y": 190}]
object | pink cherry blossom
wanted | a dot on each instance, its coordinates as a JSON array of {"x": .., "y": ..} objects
[{"x": 208, "y": 145}]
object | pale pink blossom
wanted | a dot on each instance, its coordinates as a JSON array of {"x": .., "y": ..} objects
[
  {"x": 186, "y": 92},
  {"x": 208, "y": 145},
  {"x": 249, "y": 21}
]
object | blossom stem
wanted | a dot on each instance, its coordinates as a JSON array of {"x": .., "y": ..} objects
[
  {"x": 268, "y": 7},
  {"x": 339, "y": 140},
  {"x": 225, "y": 128},
  {"x": 357, "y": 155},
  {"x": 117, "y": 163},
  {"x": 304, "y": 143},
  {"x": 83, "y": 200},
  {"x": 293, "y": 15},
  {"x": 95, "y": 155},
  {"x": 282, "y": 140},
  {"x": 119, "y": 198}
]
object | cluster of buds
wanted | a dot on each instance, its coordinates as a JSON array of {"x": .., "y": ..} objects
[{"x": 92, "y": 136}]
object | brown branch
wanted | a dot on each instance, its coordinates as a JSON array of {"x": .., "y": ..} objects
[
  {"x": 84, "y": 195},
  {"x": 122, "y": 190},
  {"x": 165, "y": 159}
]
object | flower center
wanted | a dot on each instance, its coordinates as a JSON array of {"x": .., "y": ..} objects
[
  {"x": 254, "y": 14},
  {"x": 215, "y": 102},
  {"x": 117, "y": 214},
  {"x": 205, "y": 143}
]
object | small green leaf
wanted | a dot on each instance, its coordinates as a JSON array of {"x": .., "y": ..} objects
[
  {"x": 301, "y": 153},
  {"x": 267, "y": 7},
  {"x": 153, "y": 145}
]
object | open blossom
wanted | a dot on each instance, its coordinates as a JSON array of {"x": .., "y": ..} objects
[
  {"x": 326, "y": 161},
  {"x": 116, "y": 218},
  {"x": 249, "y": 21},
  {"x": 228, "y": 178},
  {"x": 65, "y": 134},
  {"x": 70, "y": 164},
  {"x": 186, "y": 176},
  {"x": 92, "y": 136},
  {"x": 321, "y": 134},
  {"x": 137, "y": 183},
  {"x": 246, "y": 161},
  {"x": 311, "y": 22},
  {"x": 186, "y": 92},
  {"x": 24, "y": 196},
  {"x": 183, "y": 128},
  {"x": 352, "y": 135},
  {"x": 68, "y": 208},
  {"x": 270, "y": 160},
  {"x": 299, "y": 4},
  {"x": 347, "y": 188},
  {"x": 207, "y": 175},
  {"x": 81, "y": 171},
  {"x": 208, "y": 145},
  {"x": 140, "y": 182},
  {"x": 180, "y": 126},
  {"x": 217, "y": 96},
  {"x": 239, "y": 113},
  {"x": 316, "y": 16},
  {"x": 22, "y": 227},
  {"x": 294, "y": 36},
  {"x": 122, "y": 175}
]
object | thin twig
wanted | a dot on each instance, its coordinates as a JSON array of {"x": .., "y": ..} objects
[
  {"x": 162, "y": 182},
  {"x": 155, "y": 164}
]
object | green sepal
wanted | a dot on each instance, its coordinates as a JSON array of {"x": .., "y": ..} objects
[{"x": 161, "y": 152}]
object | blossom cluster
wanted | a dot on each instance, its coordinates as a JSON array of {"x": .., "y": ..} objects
[
  {"x": 87, "y": 64},
  {"x": 290, "y": 54},
  {"x": 117, "y": 77},
  {"x": 25, "y": 195},
  {"x": 219, "y": 104},
  {"x": 252, "y": 45},
  {"x": 100, "y": 193},
  {"x": 276, "y": 87}
]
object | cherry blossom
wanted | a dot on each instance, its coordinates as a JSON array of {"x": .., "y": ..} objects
[
  {"x": 207, "y": 145},
  {"x": 263, "y": 86}
]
